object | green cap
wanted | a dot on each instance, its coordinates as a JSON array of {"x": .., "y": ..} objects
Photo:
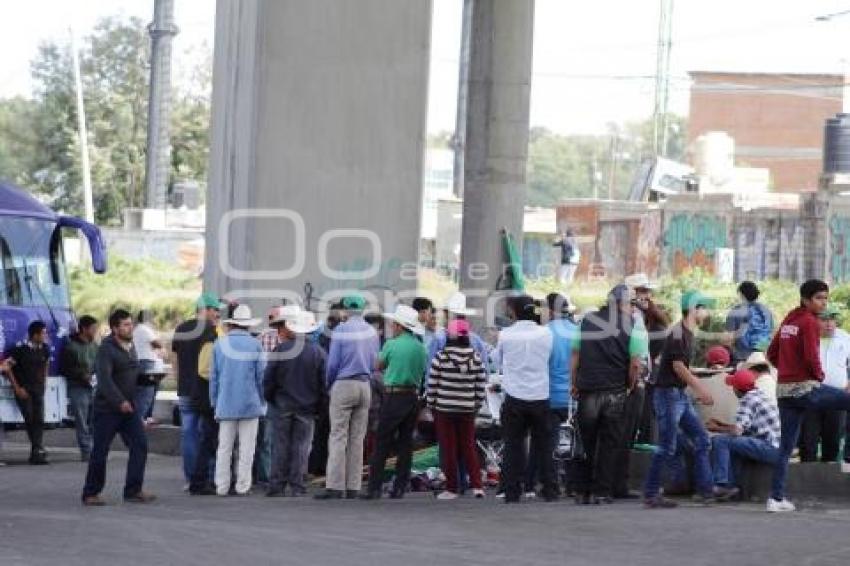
[
  {"x": 830, "y": 312},
  {"x": 692, "y": 299},
  {"x": 354, "y": 302},
  {"x": 208, "y": 301}
]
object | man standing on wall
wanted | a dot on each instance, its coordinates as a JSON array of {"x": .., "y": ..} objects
[{"x": 570, "y": 256}]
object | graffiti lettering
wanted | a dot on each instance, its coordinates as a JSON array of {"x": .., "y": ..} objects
[
  {"x": 839, "y": 255},
  {"x": 691, "y": 240}
]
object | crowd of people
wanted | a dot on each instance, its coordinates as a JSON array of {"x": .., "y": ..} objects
[{"x": 259, "y": 407}]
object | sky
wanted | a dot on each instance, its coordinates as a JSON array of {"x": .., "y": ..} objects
[{"x": 594, "y": 62}]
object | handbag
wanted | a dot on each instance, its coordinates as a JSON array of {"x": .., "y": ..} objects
[{"x": 569, "y": 446}]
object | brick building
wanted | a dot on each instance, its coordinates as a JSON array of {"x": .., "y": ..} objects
[{"x": 777, "y": 120}]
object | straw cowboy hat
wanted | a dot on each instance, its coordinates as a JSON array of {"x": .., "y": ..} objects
[
  {"x": 408, "y": 317},
  {"x": 304, "y": 322},
  {"x": 242, "y": 317},
  {"x": 284, "y": 314},
  {"x": 456, "y": 304}
]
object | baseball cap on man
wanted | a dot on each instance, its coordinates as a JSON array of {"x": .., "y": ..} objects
[
  {"x": 209, "y": 300},
  {"x": 831, "y": 311},
  {"x": 354, "y": 302},
  {"x": 718, "y": 356},
  {"x": 742, "y": 380},
  {"x": 692, "y": 299},
  {"x": 458, "y": 327}
]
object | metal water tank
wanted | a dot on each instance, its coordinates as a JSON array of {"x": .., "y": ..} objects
[{"x": 836, "y": 145}]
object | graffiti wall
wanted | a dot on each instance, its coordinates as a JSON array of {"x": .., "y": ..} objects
[
  {"x": 691, "y": 240},
  {"x": 838, "y": 262},
  {"x": 648, "y": 256},
  {"x": 769, "y": 248},
  {"x": 612, "y": 248}
]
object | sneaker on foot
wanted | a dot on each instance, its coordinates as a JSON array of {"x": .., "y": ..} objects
[
  {"x": 500, "y": 495},
  {"x": 784, "y": 506},
  {"x": 478, "y": 493},
  {"x": 530, "y": 495},
  {"x": 447, "y": 496}
]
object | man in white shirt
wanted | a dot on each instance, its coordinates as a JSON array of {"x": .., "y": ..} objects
[
  {"x": 522, "y": 353},
  {"x": 825, "y": 426},
  {"x": 147, "y": 344}
]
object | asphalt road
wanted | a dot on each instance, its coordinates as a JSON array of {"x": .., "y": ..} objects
[{"x": 42, "y": 522}]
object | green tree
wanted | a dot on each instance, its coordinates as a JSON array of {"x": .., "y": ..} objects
[{"x": 39, "y": 145}]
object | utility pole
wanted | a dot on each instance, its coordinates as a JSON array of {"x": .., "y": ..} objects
[
  {"x": 458, "y": 141},
  {"x": 662, "y": 78},
  {"x": 157, "y": 166},
  {"x": 88, "y": 201}
]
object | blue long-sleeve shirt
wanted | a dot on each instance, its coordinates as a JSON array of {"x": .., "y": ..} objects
[{"x": 353, "y": 351}]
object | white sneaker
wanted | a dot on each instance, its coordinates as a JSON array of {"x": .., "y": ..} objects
[
  {"x": 500, "y": 495},
  {"x": 530, "y": 495},
  {"x": 478, "y": 493},
  {"x": 784, "y": 506},
  {"x": 447, "y": 496}
]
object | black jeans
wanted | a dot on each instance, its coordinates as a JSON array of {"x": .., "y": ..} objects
[
  {"x": 207, "y": 447},
  {"x": 822, "y": 426},
  {"x": 556, "y": 417},
  {"x": 519, "y": 418},
  {"x": 132, "y": 431},
  {"x": 396, "y": 424},
  {"x": 632, "y": 416},
  {"x": 601, "y": 421},
  {"x": 32, "y": 409},
  {"x": 647, "y": 433}
]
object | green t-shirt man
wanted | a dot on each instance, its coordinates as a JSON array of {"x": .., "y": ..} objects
[{"x": 405, "y": 359}]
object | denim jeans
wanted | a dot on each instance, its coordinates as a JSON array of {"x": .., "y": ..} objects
[
  {"x": 80, "y": 398},
  {"x": 791, "y": 412},
  {"x": 190, "y": 435},
  {"x": 674, "y": 410},
  {"x": 727, "y": 451},
  {"x": 104, "y": 427},
  {"x": 144, "y": 399}
]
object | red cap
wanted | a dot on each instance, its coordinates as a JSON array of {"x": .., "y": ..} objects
[
  {"x": 742, "y": 380},
  {"x": 458, "y": 327},
  {"x": 718, "y": 356}
]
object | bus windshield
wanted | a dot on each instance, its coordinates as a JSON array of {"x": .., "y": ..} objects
[{"x": 32, "y": 265}]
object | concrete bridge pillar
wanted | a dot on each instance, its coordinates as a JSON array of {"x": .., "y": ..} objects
[{"x": 318, "y": 136}]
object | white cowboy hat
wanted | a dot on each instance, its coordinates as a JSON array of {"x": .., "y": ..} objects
[
  {"x": 286, "y": 313},
  {"x": 755, "y": 359},
  {"x": 456, "y": 303},
  {"x": 242, "y": 317},
  {"x": 304, "y": 322},
  {"x": 639, "y": 281},
  {"x": 407, "y": 317}
]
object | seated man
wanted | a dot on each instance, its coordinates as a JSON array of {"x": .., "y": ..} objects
[{"x": 754, "y": 436}]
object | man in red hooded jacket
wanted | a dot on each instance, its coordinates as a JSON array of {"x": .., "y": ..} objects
[{"x": 794, "y": 352}]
